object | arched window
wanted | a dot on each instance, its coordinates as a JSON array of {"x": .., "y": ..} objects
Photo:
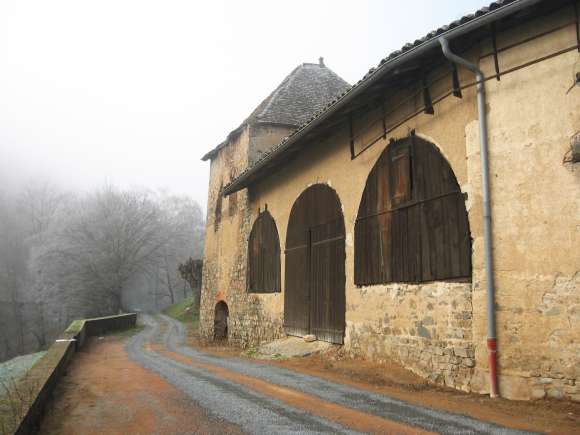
[
  {"x": 412, "y": 223},
  {"x": 264, "y": 256}
]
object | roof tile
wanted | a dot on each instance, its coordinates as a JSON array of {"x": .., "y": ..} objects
[
  {"x": 389, "y": 57},
  {"x": 304, "y": 92}
]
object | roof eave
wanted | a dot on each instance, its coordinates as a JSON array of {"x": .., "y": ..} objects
[
  {"x": 244, "y": 179},
  {"x": 211, "y": 154}
]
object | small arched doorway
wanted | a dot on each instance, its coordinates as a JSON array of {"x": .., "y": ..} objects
[
  {"x": 314, "y": 296},
  {"x": 220, "y": 323}
]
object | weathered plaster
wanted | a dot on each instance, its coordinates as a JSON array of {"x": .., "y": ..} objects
[{"x": 439, "y": 329}]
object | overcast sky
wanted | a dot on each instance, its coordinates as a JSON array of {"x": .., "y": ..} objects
[{"x": 135, "y": 92}]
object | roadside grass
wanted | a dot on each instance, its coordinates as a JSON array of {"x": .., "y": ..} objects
[
  {"x": 16, "y": 396},
  {"x": 254, "y": 353},
  {"x": 183, "y": 311}
]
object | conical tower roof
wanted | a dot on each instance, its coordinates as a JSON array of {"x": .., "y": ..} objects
[{"x": 301, "y": 94}]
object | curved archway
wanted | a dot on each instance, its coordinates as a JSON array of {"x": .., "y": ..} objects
[
  {"x": 412, "y": 225},
  {"x": 264, "y": 256},
  {"x": 314, "y": 296},
  {"x": 220, "y": 323}
]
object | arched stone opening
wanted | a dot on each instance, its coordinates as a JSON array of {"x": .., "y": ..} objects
[
  {"x": 220, "y": 323},
  {"x": 412, "y": 224},
  {"x": 264, "y": 256},
  {"x": 314, "y": 296}
]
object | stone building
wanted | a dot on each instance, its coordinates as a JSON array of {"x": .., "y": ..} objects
[
  {"x": 304, "y": 92},
  {"x": 361, "y": 220}
]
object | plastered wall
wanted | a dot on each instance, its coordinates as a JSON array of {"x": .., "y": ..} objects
[{"x": 439, "y": 329}]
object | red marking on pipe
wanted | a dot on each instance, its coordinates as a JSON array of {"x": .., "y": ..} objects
[{"x": 492, "y": 355}]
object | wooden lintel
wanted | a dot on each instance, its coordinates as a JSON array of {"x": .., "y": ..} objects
[
  {"x": 351, "y": 138},
  {"x": 427, "y": 102},
  {"x": 456, "y": 84},
  {"x": 384, "y": 116},
  {"x": 495, "y": 59}
]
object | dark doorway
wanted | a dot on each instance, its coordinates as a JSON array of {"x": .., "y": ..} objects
[
  {"x": 314, "y": 297},
  {"x": 220, "y": 323}
]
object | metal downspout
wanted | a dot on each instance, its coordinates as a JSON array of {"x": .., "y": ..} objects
[{"x": 481, "y": 100}]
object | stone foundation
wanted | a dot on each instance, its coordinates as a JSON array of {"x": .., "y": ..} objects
[
  {"x": 426, "y": 328},
  {"x": 249, "y": 323}
]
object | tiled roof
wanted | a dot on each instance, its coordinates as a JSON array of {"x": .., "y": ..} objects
[
  {"x": 305, "y": 91},
  {"x": 330, "y": 106}
]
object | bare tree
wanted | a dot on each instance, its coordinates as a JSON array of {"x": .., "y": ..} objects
[
  {"x": 13, "y": 260},
  {"x": 75, "y": 256},
  {"x": 107, "y": 238},
  {"x": 38, "y": 204},
  {"x": 191, "y": 272},
  {"x": 185, "y": 229}
]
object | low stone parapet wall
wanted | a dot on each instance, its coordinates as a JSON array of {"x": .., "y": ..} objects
[{"x": 34, "y": 390}]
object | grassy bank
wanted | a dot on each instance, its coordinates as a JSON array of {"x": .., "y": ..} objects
[{"x": 182, "y": 311}]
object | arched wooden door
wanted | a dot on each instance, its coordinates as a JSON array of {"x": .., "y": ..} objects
[
  {"x": 412, "y": 224},
  {"x": 314, "y": 296}
]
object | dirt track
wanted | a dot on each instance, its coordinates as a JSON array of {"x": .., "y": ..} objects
[
  {"x": 156, "y": 384},
  {"x": 261, "y": 398}
]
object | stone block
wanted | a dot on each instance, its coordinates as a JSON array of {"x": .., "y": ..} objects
[
  {"x": 462, "y": 352},
  {"x": 555, "y": 393},
  {"x": 468, "y": 362},
  {"x": 571, "y": 389},
  {"x": 437, "y": 351},
  {"x": 514, "y": 388},
  {"x": 537, "y": 393}
]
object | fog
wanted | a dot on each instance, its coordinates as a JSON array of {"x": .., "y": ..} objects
[
  {"x": 106, "y": 109},
  {"x": 133, "y": 93}
]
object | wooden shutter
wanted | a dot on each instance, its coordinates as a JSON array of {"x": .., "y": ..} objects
[
  {"x": 401, "y": 175},
  {"x": 264, "y": 256},
  {"x": 412, "y": 223}
]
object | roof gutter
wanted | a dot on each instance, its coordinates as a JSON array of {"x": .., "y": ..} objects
[
  {"x": 414, "y": 52},
  {"x": 487, "y": 229}
]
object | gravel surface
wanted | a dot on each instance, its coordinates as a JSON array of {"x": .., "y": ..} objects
[
  {"x": 223, "y": 399},
  {"x": 256, "y": 413}
]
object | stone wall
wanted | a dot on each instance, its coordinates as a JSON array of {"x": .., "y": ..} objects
[
  {"x": 262, "y": 137},
  {"x": 427, "y": 328},
  {"x": 221, "y": 247},
  {"x": 438, "y": 330},
  {"x": 225, "y": 263},
  {"x": 36, "y": 388}
]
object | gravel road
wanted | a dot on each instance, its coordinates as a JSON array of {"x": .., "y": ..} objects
[{"x": 264, "y": 399}]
